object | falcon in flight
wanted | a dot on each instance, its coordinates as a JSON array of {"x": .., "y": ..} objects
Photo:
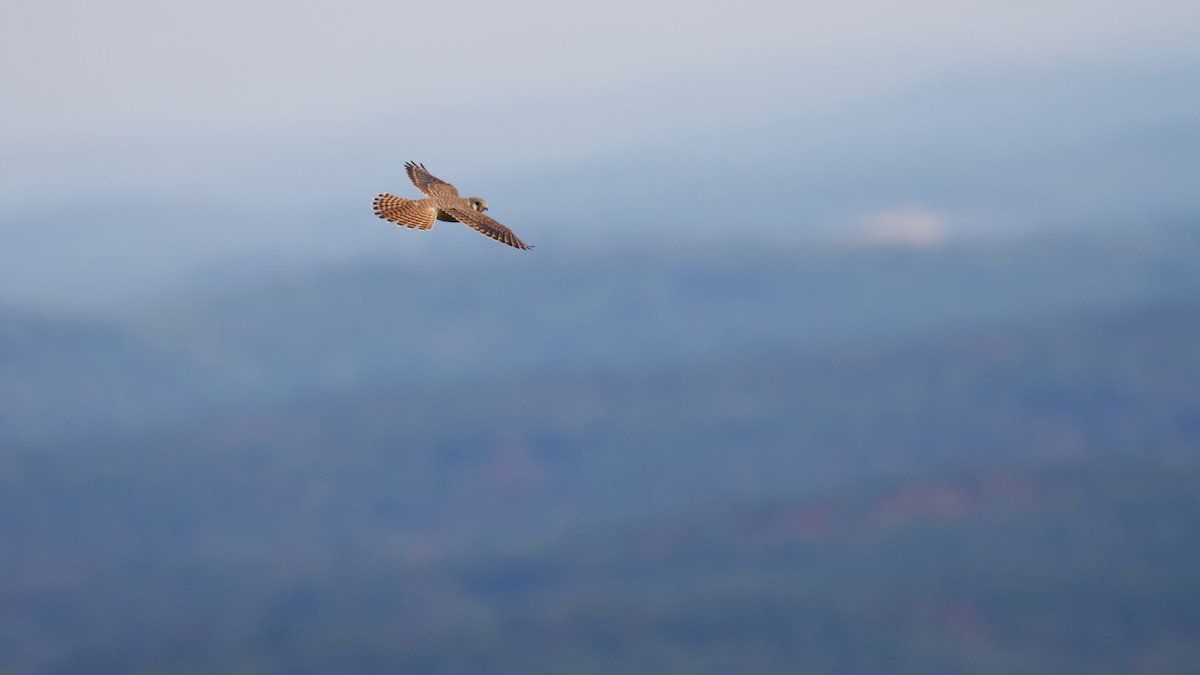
[{"x": 441, "y": 203}]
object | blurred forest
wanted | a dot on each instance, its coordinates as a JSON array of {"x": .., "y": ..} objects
[{"x": 976, "y": 457}]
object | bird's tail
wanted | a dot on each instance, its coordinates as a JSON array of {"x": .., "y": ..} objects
[{"x": 410, "y": 213}]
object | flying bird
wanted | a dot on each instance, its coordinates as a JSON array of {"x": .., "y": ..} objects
[{"x": 441, "y": 203}]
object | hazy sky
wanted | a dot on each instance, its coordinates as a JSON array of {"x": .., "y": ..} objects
[
  {"x": 212, "y": 113},
  {"x": 96, "y": 70}
]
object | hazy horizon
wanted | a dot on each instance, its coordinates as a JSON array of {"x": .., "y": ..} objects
[{"x": 144, "y": 146}]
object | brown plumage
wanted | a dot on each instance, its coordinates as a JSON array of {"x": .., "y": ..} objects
[
  {"x": 442, "y": 203},
  {"x": 407, "y": 212}
]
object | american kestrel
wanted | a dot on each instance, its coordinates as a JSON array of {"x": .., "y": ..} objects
[{"x": 442, "y": 203}]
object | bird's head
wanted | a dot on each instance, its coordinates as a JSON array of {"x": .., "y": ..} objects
[{"x": 478, "y": 203}]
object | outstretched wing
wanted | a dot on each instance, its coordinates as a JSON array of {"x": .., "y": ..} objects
[
  {"x": 486, "y": 225},
  {"x": 418, "y": 213},
  {"x": 428, "y": 183}
]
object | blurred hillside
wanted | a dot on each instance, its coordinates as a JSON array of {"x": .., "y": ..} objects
[
  {"x": 978, "y": 457},
  {"x": 338, "y": 330}
]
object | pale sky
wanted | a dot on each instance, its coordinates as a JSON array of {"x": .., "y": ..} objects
[{"x": 85, "y": 70}]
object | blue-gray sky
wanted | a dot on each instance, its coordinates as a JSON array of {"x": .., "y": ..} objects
[{"x": 142, "y": 141}]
